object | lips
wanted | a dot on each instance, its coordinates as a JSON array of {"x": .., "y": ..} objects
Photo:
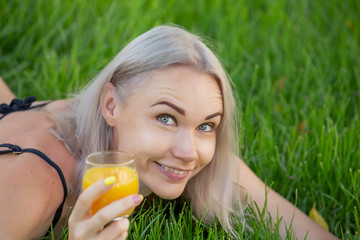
[
  {"x": 173, "y": 170},
  {"x": 173, "y": 173}
]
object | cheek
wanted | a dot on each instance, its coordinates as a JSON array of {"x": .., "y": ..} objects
[
  {"x": 207, "y": 153},
  {"x": 146, "y": 144},
  {"x": 133, "y": 136},
  {"x": 152, "y": 141}
]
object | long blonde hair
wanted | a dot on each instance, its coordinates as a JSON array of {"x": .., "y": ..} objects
[{"x": 212, "y": 190}]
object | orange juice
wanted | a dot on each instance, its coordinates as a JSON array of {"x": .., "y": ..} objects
[{"x": 126, "y": 183}]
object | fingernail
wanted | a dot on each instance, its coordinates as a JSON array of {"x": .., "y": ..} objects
[
  {"x": 109, "y": 180},
  {"x": 137, "y": 198}
]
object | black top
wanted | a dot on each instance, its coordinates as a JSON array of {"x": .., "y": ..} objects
[{"x": 23, "y": 105}]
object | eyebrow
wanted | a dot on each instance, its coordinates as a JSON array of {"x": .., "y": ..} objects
[
  {"x": 182, "y": 111},
  {"x": 213, "y": 115},
  {"x": 173, "y": 106}
]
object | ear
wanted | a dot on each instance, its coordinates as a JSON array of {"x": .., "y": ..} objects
[{"x": 109, "y": 105}]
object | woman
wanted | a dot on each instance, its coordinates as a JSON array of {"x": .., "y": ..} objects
[{"x": 166, "y": 99}]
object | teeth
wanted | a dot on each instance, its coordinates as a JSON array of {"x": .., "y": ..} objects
[{"x": 173, "y": 170}]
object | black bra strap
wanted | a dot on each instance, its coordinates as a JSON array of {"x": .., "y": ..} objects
[
  {"x": 17, "y": 105},
  {"x": 18, "y": 150}
]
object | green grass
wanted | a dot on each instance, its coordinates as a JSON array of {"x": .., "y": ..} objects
[
  {"x": 296, "y": 69},
  {"x": 160, "y": 219}
]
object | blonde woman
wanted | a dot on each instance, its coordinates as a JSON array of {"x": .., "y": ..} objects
[{"x": 166, "y": 99}]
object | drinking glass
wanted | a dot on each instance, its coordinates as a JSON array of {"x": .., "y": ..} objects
[{"x": 121, "y": 165}]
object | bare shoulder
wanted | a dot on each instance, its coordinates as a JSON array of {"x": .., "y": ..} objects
[
  {"x": 240, "y": 169},
  {"x": 32, "y": 129},
  {"x": 249, "y": 184},
  {"x": 58, "y": 105},
  {"x": 243, "y": 172},
  {"x": 31, "y": 189},
  {"x": 30, "y": 195}
]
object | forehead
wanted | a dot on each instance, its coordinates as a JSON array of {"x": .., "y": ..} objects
[{"x": 184, "y": 85}]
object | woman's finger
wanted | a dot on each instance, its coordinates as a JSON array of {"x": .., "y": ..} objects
[
  {"x": 116, "y": 230},
  {"x": 86, "y": 199},
  {"x": 113, "y": 210}
]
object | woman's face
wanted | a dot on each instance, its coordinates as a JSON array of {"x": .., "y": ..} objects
[{"x": 169, "y": 123}]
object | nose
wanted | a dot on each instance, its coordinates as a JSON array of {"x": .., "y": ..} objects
[{"x": 185, "y": 146}]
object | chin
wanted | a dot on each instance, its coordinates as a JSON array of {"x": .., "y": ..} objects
[{"x": 168, "y": 195}]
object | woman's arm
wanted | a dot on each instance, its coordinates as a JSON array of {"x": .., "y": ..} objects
[
  {"x": 278, "y": 205},
  {"x": 6, "y": 95}
]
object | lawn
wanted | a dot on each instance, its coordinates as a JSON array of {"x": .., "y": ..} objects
[{"x": 296, "y": 72}]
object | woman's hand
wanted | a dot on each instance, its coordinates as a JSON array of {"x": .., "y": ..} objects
[{"x": 84, "y": 226}]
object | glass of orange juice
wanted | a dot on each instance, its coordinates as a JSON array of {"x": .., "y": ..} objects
[{"x": 121, "y": 165}]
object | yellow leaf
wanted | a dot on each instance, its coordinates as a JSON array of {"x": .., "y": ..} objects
[{"x": 314, "y": 215}]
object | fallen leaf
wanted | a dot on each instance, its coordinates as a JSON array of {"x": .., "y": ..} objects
[{"x": 315, "y": 215}]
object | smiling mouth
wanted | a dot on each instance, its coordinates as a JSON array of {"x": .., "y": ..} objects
[{"x": 173, "y": 170}]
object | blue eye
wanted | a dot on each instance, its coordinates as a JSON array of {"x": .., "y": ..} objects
[
  {"x": 206, "y": 127},
  {"x": 166, "y": 119}
]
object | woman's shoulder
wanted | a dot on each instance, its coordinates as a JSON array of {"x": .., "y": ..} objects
[
  {"x": 28, "y": 181},
  {"x": 33, "y": 129},
  {"x": 58, "y": 105}
]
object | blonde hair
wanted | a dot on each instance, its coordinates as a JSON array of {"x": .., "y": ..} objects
[{"x": 212, "y": 191}]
